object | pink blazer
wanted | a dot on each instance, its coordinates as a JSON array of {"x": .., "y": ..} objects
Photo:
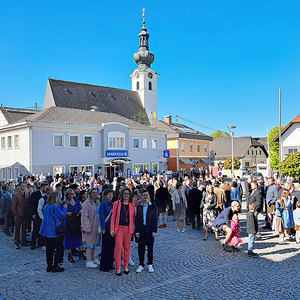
[{"x": 115, "y": 217}]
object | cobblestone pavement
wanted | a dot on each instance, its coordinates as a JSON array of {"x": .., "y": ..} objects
[{"x": 186, "y": 267}]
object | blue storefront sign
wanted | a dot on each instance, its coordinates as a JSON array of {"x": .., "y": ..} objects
[
  {"x": 116, "y": 153},
  {"x": 166, "y": 153}
]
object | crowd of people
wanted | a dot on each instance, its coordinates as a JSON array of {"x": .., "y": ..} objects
[{"x": 100, "y": 221}]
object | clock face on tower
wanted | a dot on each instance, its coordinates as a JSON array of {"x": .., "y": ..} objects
[{"x": 150, "y": 75}]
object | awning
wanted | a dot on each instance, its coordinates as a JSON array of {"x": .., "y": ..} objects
[
  {"x": 207, "y": 161},
  {"x": 121, "y": 160},
  {"x": 186, "y": 161}
]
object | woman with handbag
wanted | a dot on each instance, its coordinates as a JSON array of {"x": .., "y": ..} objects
[
  {"x": 90, "y": 228},
  {"x": 52, "y": 229},
  {"x": 73, "y": 234},
  {"x": 122, "y": 228}
]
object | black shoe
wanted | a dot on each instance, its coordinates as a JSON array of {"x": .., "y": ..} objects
[
  {"x": 235, "y": 248},
  {"x": 49, "y": 269},
  {"x": 75, "y": 253},
  {"x": 252, "y": 254},
  {"x": 57, "y": 269},
  {"x": 118, "y": 274},
  {"x": 267, "y": 226},
  {"x": 126, "y": 272},
  {"x": 198, "y": 228},
  {"x": 226, "y": 248},
  {"x": 194, "y": 227},
  {"x": 8, "y": 234},
  {"x": 32, "y": 247}
]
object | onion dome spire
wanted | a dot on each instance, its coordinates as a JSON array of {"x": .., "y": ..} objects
[{"x": 144, "y": 58}]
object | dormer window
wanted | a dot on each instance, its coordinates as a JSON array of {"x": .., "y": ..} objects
[
  {"x": 138, "y": 85},
  {"x": 150, "y": 85}
]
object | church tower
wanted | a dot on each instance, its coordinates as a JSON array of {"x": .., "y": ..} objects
[{"x": 144, "y": 78}]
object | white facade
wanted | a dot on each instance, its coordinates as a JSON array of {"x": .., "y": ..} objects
[
  {"x": 291, "y": 140},
  {"x": 58, "y": 148},
  {"x": 145, "y": 83}
]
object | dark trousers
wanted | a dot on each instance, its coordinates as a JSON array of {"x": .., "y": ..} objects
[
  {"x": 21, "y": 222},
  {"x": 7, "y": 222},
  {"x": 55, "y": 247},
  {"x": 37, "y": 222},
  {"x": 108, "y": 248},
  {"x": 145, "y": 240},
  {"x": 195, "y": 215}
]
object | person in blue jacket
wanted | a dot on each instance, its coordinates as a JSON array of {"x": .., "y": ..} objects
[
  {"x": 108, "y": 242},
  {"x": 53, "y": 218}
]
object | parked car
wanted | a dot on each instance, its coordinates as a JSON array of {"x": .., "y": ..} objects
[{"x": 256, "y": 175}]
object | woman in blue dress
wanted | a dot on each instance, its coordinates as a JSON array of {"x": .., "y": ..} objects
[
  {"x": 287, "y": 214},
  {"x": 73, "y": 235}
]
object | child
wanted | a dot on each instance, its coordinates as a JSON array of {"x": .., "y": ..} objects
[
  {"x": 296, "y": 215},
  {"x": 252, "y": 229},
  {"x": 280, "y": 208},
  {"x": 236, "y": 230}
]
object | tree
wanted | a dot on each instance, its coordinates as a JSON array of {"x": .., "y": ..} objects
[
  {"x": 274, "y": 147},
  {"x": 291, "y": 165},
  {"x": 228, "y": 163},
  {"x": 219, "y": 134}
]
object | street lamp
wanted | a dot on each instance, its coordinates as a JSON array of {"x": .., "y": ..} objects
[{"x": 231, "y": 129}]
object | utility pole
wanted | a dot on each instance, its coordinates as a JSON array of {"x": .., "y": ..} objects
[{"x": 280, "y": 142}]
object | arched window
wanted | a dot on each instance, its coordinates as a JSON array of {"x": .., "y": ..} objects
[
  {"x": 150, "y": 85},
  {"x": 138, "y": 85}
]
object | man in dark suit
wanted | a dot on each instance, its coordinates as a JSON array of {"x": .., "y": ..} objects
[
  {"x": 248, "y": 189},
  {"x": 195, "y": 197},
  {"x": 146, "y": 230},
  {"x": 255, "y": 197}
]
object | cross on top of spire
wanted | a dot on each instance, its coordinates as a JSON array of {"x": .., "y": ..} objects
[{"x": 144, "y": 17}]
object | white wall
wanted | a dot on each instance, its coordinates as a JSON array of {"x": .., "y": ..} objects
[
  {"x": 291, "y": 139},
  {"x": 44, "y": 152},
  {"x": 9, "y": 157}
]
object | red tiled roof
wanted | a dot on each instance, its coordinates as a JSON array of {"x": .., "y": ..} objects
[{"x": 295, "y": 120}]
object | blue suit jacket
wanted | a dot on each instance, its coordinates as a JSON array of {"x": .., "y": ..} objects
[{"x": 151, "y": 219}]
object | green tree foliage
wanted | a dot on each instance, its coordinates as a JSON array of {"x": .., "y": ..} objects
[
  {"x": 228, "y": 163},
  {"x": 220, "y": 135},
  {"x": 274, "y": 147},
  {"x": 291, "y": 165}
]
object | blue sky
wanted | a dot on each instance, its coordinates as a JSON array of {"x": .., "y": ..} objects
[{"x": 220, "y": 62}]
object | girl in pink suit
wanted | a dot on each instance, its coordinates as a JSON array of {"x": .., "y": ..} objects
[
  {"x": 122, "y": 228},
  {"x": 236, "y": 230}
]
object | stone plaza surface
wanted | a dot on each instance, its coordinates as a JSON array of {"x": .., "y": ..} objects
[{"x": 186, "y": 267}]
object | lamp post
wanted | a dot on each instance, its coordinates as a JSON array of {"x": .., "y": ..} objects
[{"x": 231, "y": 129}]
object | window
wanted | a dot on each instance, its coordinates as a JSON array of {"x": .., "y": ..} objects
[
  {"x": 140, "y": 168},
  {"x": 198, "y": 149},
  {"x": 74, "y": 141},
  {"x": 248, "y": 152},
  {"x": 259, "y": 152},
  {"x": 145, "y": 143},
  {"x": 255, "y": 152},
  {"x": 182, "y": 147},
  {"x": 138, "y": 85},
  {"x": 3, "y": 143},
  {"x": 17, "y": 141},
  {"x": 247, "y": 164},
  {"x": 58, "y": 140},
  {"x": 9, "y": 142},
  {"x": 116, "y": 142},
  {"x": 292, "y": 151},
  {"x": 191, "y": 148},
  {"x": 154, "y": 168},
  {"x": 205, "y": 148},
  {"x": 88, "y": 141},
  {"x": 252, "y": 152},
  {"x": 150, "y": 85},
  {"x": 154, "y": 143},
  {"x": 135, "y": 143}
]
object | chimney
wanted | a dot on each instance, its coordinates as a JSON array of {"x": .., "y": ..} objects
[{"x": 168, "y": 119}]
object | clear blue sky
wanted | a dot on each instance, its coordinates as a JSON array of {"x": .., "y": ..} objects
[{"x": 220, "y": 62}]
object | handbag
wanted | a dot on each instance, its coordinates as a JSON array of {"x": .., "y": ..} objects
[
  {"x": 73, "y": 225},
  {"x": 60, "y": 230}
]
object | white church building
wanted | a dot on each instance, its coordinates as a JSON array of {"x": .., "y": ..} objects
[{"x": 85, "y": 127}]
